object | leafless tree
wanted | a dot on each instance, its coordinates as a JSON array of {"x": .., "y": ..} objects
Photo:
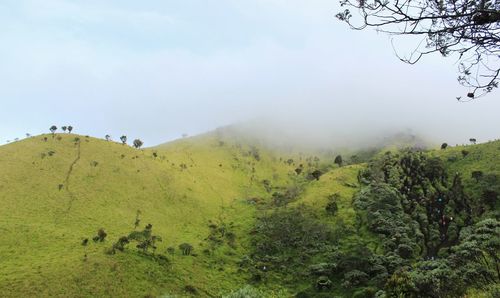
[{"x": 469, "y": 29}]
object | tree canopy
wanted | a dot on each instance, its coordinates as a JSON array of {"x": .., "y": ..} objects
[{"x": 469, "y": 29}]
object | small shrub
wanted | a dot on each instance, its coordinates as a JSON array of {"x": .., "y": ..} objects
[
  {"x": 190, "y": 289},
  {"x": 101, "y": 235},
  {"x": 323, "y": 283},
  {"x": 186, "y": 249},
  {"x": 171, "y": 250},
  {"x": 365, "y": 293},
  {"x": 338, "y": 160},
  {"x": 121, "y": 243},
  {"x": 354, "y": 278},
  {"x": 477, "y": 175},
  {"x": 332, "y": 207},
  {"x": 316, "y": 174}
]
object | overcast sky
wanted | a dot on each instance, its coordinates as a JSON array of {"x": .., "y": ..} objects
[{"x": 158, "y": 69}]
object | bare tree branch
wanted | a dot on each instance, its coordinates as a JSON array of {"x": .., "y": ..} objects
[{"x": 467, "y": 28}]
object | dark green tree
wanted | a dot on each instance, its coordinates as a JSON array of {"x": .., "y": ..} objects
[
  {"x": 338, "y": 160},
  {"x": 138, "y": 143}
]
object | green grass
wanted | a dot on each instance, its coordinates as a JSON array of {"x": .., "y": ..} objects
[{"x": 190, "y": 182}]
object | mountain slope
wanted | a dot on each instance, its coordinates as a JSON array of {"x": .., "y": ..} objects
[
  {"x": 57, "y": 190},
  {"x": 210, "y": 191}
]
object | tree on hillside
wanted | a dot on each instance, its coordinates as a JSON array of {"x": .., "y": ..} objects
[
  {"x": 123, "y": 139},
  {"x": 53, "y": 129},
  {"x": 338, "y": 160},
  {"x": 473, "y": 141},
  {"x": 64, "y": 128},
  {"x": 108, "y": 138},
  {"x": 469, "y": 29},
  {"x": 444, "y": 146},
  {"x": 70, "y": 128},
  {"x": 138, "y": 143}
]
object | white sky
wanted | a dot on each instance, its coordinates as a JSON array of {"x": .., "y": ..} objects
[{"x": 158, "y": 69}]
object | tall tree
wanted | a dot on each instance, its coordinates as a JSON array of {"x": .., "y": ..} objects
[
  {"x": 468, "y": 28},
  {"x": 108, "y": 138},
  {"x": 64, "y": 128},
  {"x": 70, "y": 128},
  {"x": 123, "y": 139},
  {"x": 53, "y": 129}
]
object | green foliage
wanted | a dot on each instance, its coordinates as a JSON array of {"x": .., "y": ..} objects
[
  {"x": 190, "y": 289},
  {"x": 220, "y": 234},
  {"x": 137, "y": 143},
  {"x": 421, "y": 215},
  {"x": 245, "y": 292},
  {"x": 316, "y": 174},
  {"x": 332, "y": 206},
  {"x": 477, "y": 175},
  {"x": 186, "y": 249},
  {"x": 145, "y": 239},
  {"x": 360, "y": 247},
  {"x": 119, "y": 245},
  {"x": 338, "y": 160},
  {"x": 287, "y": 239},
  {"x": 101, "y": 236},
  {"x": 290, "y": 194}
]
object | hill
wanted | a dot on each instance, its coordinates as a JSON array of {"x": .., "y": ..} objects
[
  {"x": 58, "y": 189},
  {"x": 223, "y": 196}
]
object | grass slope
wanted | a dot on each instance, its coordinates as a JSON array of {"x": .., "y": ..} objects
[{"x": 56, "y": 190}]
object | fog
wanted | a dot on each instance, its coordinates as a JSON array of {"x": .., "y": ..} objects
[{"x": 158, "y": 70}]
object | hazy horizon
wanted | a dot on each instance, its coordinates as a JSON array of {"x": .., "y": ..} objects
[{"x": 157, "y": 70}]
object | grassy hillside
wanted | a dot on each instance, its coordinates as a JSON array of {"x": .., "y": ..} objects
[
  {"x": 57, "y": 190},
  {"x": 209, "y": 191}
]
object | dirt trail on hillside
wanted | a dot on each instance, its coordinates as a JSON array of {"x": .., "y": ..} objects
[{"x": 68, "y": 175}]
